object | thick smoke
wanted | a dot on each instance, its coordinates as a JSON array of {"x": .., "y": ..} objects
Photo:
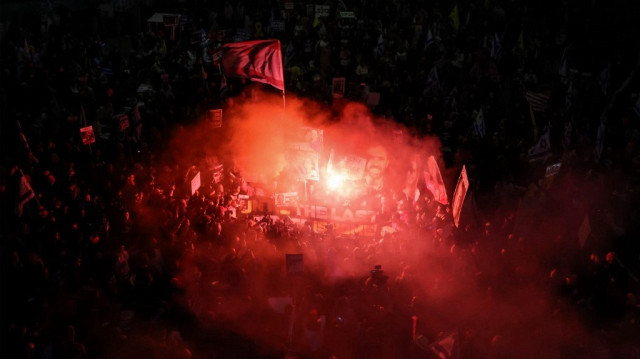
[{"x": 498, "y": 297}]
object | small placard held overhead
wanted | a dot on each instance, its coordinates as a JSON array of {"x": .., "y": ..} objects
[
  {"x": 195, "y": 183},
  {"x": 338, "y": 86},
  {"x": 218, "y": 173},
  {"x": 216, "y": 117},
  {"x": 87, "y": 135}
]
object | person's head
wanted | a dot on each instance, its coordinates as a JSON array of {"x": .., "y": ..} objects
[
  {"x": 377, "y": 161},
  {"x": 412, "y": 171},
  {"x": 611, "y": 256}
]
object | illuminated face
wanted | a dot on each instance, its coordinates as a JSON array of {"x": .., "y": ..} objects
[{"x": 378, "y": 161}]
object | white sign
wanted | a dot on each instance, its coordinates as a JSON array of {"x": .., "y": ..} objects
[{"x": 195, "y": 183}]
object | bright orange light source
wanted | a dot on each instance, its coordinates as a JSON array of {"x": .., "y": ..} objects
[{"x": 334, "y": 180}]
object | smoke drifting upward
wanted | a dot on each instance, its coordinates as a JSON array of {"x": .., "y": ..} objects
[
  {"x": 257, "y": 133},
  {"x": 260, "y": 132},
  {"x": 496, "y": 292},
  {"x": 260, "y": 129}
]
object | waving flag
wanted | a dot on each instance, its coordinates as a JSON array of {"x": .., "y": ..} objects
[
  {"x": 542, "y": 149},
  {"x": 537, "y": 100},
  {"x": 433, "y": 181},
  {"x": 258, "y": 60},
  {"x": 459, "y": 194}
]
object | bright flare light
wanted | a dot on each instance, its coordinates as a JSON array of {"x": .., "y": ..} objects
[{"x": 334, "y": 181}]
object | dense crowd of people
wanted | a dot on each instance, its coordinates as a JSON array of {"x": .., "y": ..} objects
[{"x": 106, "y": 252}]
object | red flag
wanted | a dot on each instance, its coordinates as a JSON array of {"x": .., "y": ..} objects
[
  {"x": 433, "y": 181},
  {"x": 259, "y": 60}
]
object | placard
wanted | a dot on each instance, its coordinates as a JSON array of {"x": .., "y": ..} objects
[
  {"x": 216, "y": 117},
  {"x": 338, "y": 86},
  {"x": 87, "y": 135},
  {"x": 286, "y": 199},
  {"x": 195, "y": 183}
]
